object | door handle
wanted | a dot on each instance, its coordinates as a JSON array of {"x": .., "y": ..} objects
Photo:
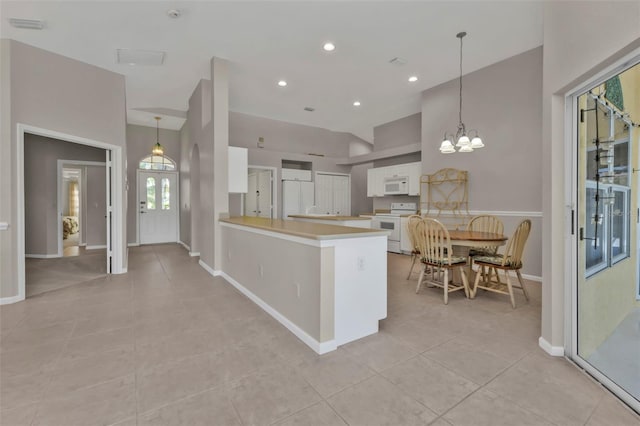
[{"x": 142, "y": 212}]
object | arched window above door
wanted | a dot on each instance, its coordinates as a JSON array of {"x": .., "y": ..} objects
[{"x": 157, "y": 162}]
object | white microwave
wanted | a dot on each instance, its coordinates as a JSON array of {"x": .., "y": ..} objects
[{"x": 397, "y": 185}]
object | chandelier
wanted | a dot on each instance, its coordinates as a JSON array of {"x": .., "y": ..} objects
[
  {"x": 157, "y": 148},
  {"x": 464, "y": 143}
]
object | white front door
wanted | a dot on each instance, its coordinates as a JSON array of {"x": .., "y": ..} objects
[{"x": 158, "y": 207}]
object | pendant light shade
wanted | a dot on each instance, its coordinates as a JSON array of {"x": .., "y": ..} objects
[
  {"x": 463, "y": 142},
  {"x": 157, "y": 148}
]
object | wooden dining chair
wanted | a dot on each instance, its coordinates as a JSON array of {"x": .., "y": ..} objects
[
  {"x": 434, "y": 244},
  {"x": 485, "y": 223},
  {"x": 511, "y": 260},
  {"x": 412, "y": 221}
]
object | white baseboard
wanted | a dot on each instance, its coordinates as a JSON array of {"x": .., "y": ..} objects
[
  {"x": 209, "y": 269},
  {"x": 186, "y": 246},
  {"x": 10, "y": 300},
  {"x": 82, "y": 244},
  {"x": 96, "y": 247},
  {"x": 133, "y": 244},
  {"x": 320, "y": 348},
  {"x": 548, "y": 348},
  {"x": 41, "y": 256},
  {"x": 532, "y": 277},
  {"x": 194, "y": 253}
]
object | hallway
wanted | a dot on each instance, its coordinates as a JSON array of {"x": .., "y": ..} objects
[{"x": 167, "y": 344}]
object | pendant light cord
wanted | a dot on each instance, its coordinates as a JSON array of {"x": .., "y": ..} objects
[{"x": 460, "y": 110}]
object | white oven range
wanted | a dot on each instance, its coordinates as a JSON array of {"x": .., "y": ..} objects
[{"x": 391, "y": 222}]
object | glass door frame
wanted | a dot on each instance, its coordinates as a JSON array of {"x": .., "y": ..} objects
[{"x": 571, "y": 223}]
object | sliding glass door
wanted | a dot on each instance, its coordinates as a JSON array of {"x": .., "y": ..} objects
[{"x": 606, "y": 305}]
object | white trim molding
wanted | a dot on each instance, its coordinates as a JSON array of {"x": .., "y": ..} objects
[
  {"x": 209, "y": 269},
  {"x": 319, "y": 347},
  {"x": 514, "y": 213},
  {"x": 133, "y": 245},
  {"x": 548, "y": 348},
  {"x": 42, "y": 256},
  {"x": 10, "y": 300},
  {"x": 184, "y": 245},
  {"x": 194, "y": 253},
  {"x": 532, "y": 277},
  {"x": 96, "y": 247}
]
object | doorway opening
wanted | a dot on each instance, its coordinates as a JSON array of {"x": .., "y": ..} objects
[
  {"x": 114, "y": 258},
  {"x": 261, "y": 197},
  {"x": 81, "y": 207}
]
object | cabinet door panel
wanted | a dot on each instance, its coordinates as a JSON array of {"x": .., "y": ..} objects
[
  {"x": 324, "y": 193},
  {"x": 341, "y": 196}
]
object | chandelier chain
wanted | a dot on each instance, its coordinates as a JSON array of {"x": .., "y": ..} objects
[{"x": 460, "y": 110}]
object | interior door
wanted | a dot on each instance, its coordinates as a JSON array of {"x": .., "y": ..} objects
[
  {"x": 251, "y": 199},
  {"x": 341, "y": 198},
  {"x": 109, "y": 210},
  {"x": 263, "y": 193},
  {"x": 157, "y": 207},
  {"x": 324, "y": 193}
]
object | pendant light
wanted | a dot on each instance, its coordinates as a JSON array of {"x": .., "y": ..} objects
[
  {"x": 463, "y": 142},
  {"x": 157, "y": 148}
]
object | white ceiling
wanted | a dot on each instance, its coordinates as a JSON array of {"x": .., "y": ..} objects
[{"x": 266, "y": 41}]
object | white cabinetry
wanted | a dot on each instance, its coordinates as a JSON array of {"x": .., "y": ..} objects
[
  {"x": 414, "y": 172},
  {"x": 333, "y": 194},
  {"x": 296, "y": 174},
  {"x": 375, "y": 182},
  {"x": 405, "y": 241},
  {"x": 377, "y": 176}
]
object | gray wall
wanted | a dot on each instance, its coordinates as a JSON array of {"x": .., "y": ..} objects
[
  {"x": 52, "y": 92},
  {"x": 185, "y": 186},
  {"x": 572, "y": 54},
  {"x": 140, "y": 140},
  {"x": 41, "y": 157},
  {"x": 403, "y": 131},
  {"x": 95, "y": 231},
  {"x": 503, "y": 101},
  {"x": 291, "y": 141},
  {"x": 244, "y": 131}
]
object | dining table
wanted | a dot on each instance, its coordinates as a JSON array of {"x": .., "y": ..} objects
[{"x": 462, "y": 241}]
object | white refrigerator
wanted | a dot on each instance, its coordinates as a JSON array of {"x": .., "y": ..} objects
[{"x": 297, "y": 197}]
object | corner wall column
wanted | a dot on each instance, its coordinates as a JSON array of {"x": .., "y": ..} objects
[{"x": 220, "y": 123}]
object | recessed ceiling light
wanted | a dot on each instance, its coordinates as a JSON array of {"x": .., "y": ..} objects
[
  {"x": 282, "y": 83},
  {"x": 413, "y": 79},
  {"x": 356, "y": 103},
  {"x": 329, "y": 47},
  {"x": 29, "y": 24}
]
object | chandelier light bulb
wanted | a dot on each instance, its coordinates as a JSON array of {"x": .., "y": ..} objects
[
  {"x": 476, "y": 143},
  {"x": 463, "y": 141},
  {"x": 466, "y": 148}
]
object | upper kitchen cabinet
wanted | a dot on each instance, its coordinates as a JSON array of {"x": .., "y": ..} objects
[
  {"x": 414, "y": 172},
  {"x": 375, "y": 182},
  {"x": 333, "y": 194}
]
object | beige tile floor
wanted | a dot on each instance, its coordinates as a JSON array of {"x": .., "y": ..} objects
[{"x": 167, "y": 344}]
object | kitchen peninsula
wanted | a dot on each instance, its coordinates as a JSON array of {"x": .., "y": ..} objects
[{"x": 327, "y": 284}]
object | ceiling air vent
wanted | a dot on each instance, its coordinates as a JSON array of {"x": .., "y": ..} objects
[
  {"x": 29, "y": 24},
  {"x": 398, "y": 61},
  {"x": 140, "y": 57},
  {"x": 309, "y": 109}
]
